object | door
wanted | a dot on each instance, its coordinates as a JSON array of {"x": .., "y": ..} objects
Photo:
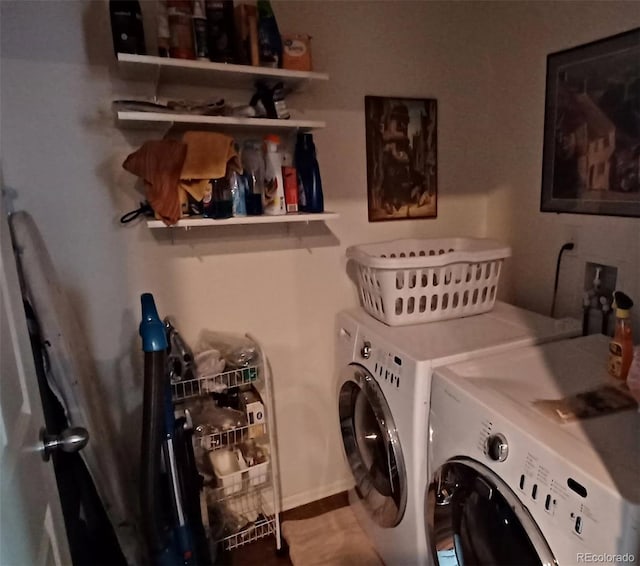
[
  {"x": 473, "y": 518},
  {"x": 31, "y": 524},
  {"x": 372, "y": 446}
]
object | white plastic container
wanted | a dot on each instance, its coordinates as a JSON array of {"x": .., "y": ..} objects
[
  {"x": 273, "y": 202},
  {"x": 258, "y": 474},
  {"x": 232, "y": 471},
  {"x": 423, "y": 280},
  {"x": 227, "y": 469}
]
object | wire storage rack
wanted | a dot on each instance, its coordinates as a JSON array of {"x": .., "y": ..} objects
[
  {"x": 251, "y": 510},
  {"x": 241, "y": 506},
  {"x": 214, "y": 383}
]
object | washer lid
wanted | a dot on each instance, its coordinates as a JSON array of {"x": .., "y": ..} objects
[
  {"x": 473, "y": 517},
  {"x": 445, "y": 342},
  {"x": 372, "y": 446}
]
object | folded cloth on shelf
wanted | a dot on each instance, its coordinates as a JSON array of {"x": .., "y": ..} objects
[
  {"x": 195, "y": 187},
  {"x": 332, "y": 539},
  {"x": 159, "y": 163},
  {"x": 209, "y": 155}
]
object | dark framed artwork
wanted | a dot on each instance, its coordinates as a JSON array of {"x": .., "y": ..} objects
[
  {"x": 591, "y": 155},
  {"x": 402, "y": 179}
]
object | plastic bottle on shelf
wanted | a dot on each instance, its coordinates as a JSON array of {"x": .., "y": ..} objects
[
  {"x": 220, "y": 30},
  {"x": 238, "y": 196},
  {"x": 253, "y": 165},
  {"x": 126, "y": 27},
  {"x": 218, "y": 201},
  {"x": 310, "y": 197},
  {"x": 200, "y": 30},
  {"x": 269, "y": 40},
  {"x": 180, "y": 16},
  {"x": 164, "y": 36},
  {"x": 222, "y": 198},
  {"x": 273, "y": 202},
  {"x": 621, "y": 347}
]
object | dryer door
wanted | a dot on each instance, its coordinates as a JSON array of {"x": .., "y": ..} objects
[
  {"x": 372, "y": 446},
  {"x": 473, "y": 517}
]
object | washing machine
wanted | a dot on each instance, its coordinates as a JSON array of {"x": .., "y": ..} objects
[
  {"x": 383, "y": 395},
  {"x": 535, "y": 456}
]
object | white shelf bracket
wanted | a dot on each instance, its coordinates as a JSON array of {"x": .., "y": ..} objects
[{"x": 156, "y": 83}]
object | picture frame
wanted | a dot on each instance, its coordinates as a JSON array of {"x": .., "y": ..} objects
[
  {"x": 401, "y": 146},
  {"x": 591, "y": 150}
]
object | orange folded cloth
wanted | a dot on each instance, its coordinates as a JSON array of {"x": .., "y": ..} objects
[
  {"x": 209, "y": 154},
  {"x": 159, "y": 163}
]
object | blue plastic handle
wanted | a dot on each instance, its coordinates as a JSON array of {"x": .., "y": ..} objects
[{"x": 154, "y": 338}]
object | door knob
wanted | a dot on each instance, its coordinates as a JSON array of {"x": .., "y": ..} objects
[{"x": 69, "y": 440}]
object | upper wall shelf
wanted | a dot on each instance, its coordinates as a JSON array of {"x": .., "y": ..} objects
[{"x": 221, "y": 75}]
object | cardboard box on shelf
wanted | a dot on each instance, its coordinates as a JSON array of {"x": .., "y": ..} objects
[{"x": 296, "y": 51}]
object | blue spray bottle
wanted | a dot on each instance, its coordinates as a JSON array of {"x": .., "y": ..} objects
[{"x": 309, "y": 181}]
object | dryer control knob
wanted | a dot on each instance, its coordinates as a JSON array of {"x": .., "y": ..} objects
[
  {"x": 497, "y": 448},
  {"x": 365, "y": 352}
]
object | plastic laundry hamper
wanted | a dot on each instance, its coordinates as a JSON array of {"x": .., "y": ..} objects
[{"x": 423, "y": 280}]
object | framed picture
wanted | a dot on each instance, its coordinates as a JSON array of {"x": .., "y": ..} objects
[
  {"x": 591, "y": 155},
  {"x": 402, "y": 179}
]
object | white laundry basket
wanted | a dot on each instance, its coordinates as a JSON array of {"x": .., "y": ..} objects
[{"x": 423, "y": 280}]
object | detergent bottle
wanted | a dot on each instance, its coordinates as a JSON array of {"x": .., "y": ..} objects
[
  {"x": 621, "y": 347},
  {"x": 273, "y": 202}
]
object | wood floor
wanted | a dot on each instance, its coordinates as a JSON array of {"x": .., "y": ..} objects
[{"x": 263, "y": 552}]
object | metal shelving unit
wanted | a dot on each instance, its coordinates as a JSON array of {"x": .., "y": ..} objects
[
  {"x": 211, "y": 383},
  {"x": 229, "y": 437},
  {"x": 251, "y": 495},
  {"x": 266, "y": 523}
]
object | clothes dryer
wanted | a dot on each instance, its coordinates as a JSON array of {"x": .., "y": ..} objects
[
  {"x": 515, "y": 479},
  {"x": 383, "y": 395}
]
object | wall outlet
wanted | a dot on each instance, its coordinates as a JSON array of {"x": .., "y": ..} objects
[
  {"x": 599, "y": 285},
  {"x": 608, "y": 276}
]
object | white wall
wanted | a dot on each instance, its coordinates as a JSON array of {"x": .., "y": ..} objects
[
  {"x": 62, "y": 154},
  {"x": 519, "y": 37}
]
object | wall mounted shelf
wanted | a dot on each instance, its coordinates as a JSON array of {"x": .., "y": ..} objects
[
  {"x": 221, "y": 75},
  {"x": 136, "y": 119},
  {"x": 264, "y": 219}
]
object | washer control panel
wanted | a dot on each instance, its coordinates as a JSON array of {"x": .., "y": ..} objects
[{"x": 562, "y": 498}]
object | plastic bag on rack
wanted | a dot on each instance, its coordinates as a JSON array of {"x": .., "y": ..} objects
[
  {"x": 237, "y": 351},
  {"x": 207, "y": 418},
  {"x": 253, "y": 453},
  {"x": 223, "y": 520},
  {"x": 210, "y": 362}
]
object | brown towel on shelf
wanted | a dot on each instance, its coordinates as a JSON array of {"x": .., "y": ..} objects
[
  {"x": 209, "y": 154},
  {"x": 159, "y": 163}
]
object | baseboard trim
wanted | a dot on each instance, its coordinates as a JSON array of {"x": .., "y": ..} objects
[{"x": 299, "y": 499}]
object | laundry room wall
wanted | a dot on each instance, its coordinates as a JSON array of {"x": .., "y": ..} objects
[
  {"x": 62, "y": 156},
  {"x": 520, "y": 35}
]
